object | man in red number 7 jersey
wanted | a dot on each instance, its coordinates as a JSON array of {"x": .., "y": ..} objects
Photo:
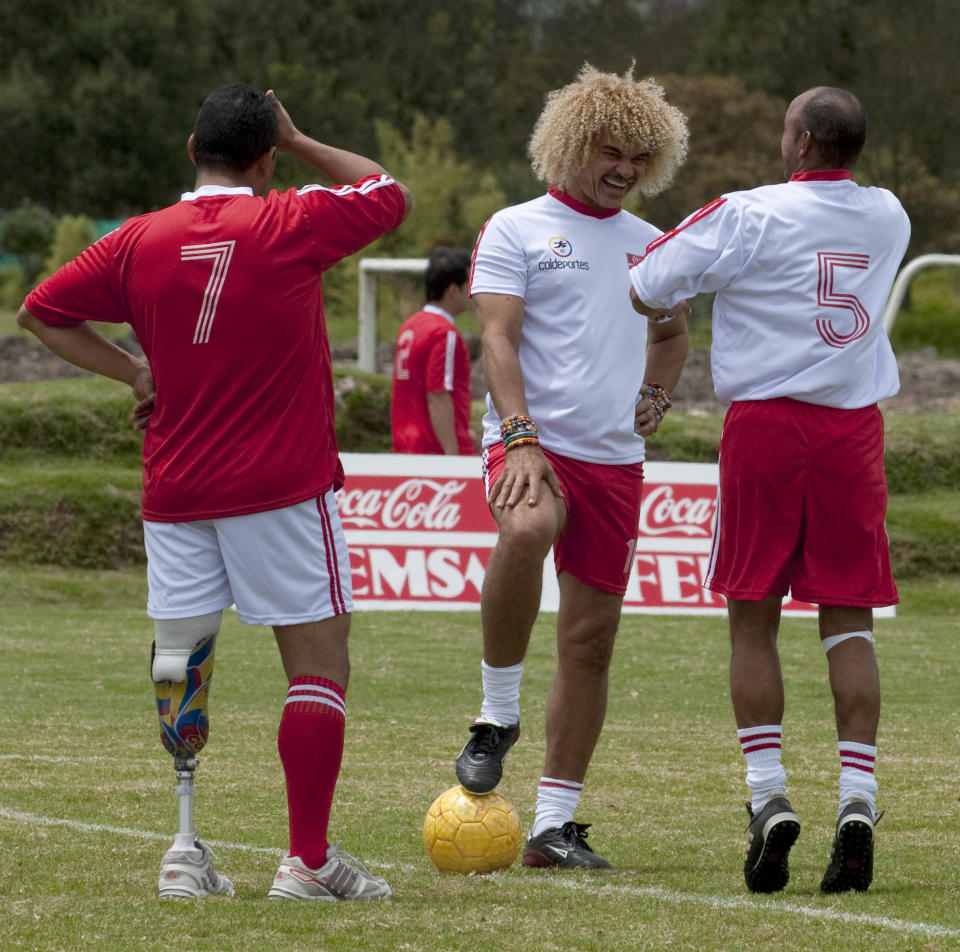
[
  {"x": 801, "y": 272},
  {"x": 240, "y": 460}
]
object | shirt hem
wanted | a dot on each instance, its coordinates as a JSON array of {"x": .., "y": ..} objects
[
  {"x": 244, "y": 510},
  {"x": 582, "y": 458}
]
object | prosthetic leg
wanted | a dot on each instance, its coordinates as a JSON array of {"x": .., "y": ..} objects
[{"x": 181, "y": 669}]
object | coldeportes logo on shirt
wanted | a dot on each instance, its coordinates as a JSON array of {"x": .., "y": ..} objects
[{"x": 562, "y": 249}]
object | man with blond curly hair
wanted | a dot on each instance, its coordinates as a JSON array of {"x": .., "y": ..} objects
[{"x": 575, "y": 385}]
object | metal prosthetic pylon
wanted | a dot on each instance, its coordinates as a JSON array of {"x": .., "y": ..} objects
[{"x": 184, "y": 768}]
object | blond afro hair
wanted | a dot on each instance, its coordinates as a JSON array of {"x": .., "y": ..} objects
[{"x": 575, "y": 116}]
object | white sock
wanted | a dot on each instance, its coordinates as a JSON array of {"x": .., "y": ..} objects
[
  {"x": 557, "y": 801},
  {"x": 501, "y": 694},
  {"x": 857, "y": 781},
  {"x": 761, "y": 748}
]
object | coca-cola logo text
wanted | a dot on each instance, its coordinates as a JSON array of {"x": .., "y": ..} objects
[
  {"x": 663, "y": 512},
  {"x": 415, "y": 503}
]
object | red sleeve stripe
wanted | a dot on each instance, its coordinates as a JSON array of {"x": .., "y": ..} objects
[
  {"x": 364, "y": 186},
  {"x": 473, "y": 257},
  {"x": 693, "y": 219}
]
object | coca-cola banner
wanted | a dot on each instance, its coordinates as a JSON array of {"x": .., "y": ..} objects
[{"x": 420, "y": 534}]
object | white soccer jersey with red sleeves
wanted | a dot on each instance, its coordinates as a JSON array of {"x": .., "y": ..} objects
[
  {"x": 802, "y": 272},
  {"x": 582, "y": 347},
  {"x": 223, "y": 291}
]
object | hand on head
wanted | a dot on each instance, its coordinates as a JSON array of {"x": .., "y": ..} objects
[{"x": 286, "y": 129}]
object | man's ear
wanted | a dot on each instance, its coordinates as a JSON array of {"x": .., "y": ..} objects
[
  {"x": 260, "y": 174},
  {"x": 267, "y": 163},
  {"x": 190, "y": 151}
]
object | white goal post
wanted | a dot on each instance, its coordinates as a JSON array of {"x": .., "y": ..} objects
[
  {"x": 367, "y": 302},
  {"x": 906, "y": 275}
]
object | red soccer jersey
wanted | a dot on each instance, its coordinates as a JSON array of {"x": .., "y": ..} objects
[
  {"x": 431, "y": 356},
  {"x": 223, "y": 291}
]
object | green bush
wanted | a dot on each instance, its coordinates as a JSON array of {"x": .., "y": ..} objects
[
  {"x": 26, "y": 232},
  {"x": 86, "y": 516},
  {"x": 689, "y": 439},
  {"x": 78, "y": 416},
  {"x": 363, "y": 411},
  {"x": 923, "y": 453},
  {"x": 73, "y": 234},
  {"x": 11, "y": 287},
  {"x": 89, "y": 416},
  {"x": 924, "y": 530}
]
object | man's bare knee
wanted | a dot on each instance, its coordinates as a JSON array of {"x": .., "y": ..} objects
[{"x": 524, "y": 537}]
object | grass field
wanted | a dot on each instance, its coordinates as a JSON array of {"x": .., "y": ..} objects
[{"x": 87, "y": 805}]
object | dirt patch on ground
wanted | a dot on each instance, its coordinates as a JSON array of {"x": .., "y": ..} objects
[{"x": 927, "y": 384}]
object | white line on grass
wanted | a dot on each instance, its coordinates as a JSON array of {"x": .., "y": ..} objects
[
  {"x": 772, "y": 905},
  {"x": 60, "y": 758},
  {"x": 21, "y": 817},
  {"x": 652, "y": 892}
]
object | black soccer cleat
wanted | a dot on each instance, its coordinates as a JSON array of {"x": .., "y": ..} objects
[
  {"x": 564, "y": 846},
  {"x": 771, "y": 833},
  {"x": 480, "y": 764},
  {"x": 851, "y": 859}
]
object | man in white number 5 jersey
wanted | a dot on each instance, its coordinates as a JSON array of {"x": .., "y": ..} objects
[
  {"x": 240, "y": 454},
  {"x": 802, "y": 271}
]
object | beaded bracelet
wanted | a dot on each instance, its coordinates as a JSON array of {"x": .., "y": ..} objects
[
  {"x": 518, "y": 430},
  {"x": 520, "y": 441},
  {"x": 658, "y": 397}
]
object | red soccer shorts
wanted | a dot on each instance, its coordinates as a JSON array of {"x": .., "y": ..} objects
[
  {"x": 603, "y": 514},
  {"x": 801, "y": 505}
]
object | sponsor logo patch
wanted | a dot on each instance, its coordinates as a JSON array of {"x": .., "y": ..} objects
[{"x": 562, "y": 250}]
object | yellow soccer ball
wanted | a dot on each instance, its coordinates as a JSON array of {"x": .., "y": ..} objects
[{"x": 471, "y": 833}]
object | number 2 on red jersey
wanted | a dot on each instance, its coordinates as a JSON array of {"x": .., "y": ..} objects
[
  {"x": 829, "y": 296},
  {"x": 220, "y": 252}
]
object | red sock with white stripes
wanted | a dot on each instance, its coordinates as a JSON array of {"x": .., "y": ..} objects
[
  {"x": 761, "y": 746},
  {"x": 310, "y": 741},
  {"x": 557, "y": 801},
  {"x": 857, "y": 781}
]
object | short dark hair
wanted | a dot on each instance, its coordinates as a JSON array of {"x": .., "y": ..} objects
[
  {"x": 235, "y": 126},
  {"x": 836, "y": 120},
  {"x": 445, "y": 266}
]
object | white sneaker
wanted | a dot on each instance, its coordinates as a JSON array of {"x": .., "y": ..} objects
[
  {"x": 342, "y": 877},
  {"x": 190, "y": 874}
]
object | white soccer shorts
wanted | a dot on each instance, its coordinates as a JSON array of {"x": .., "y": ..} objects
[{"x": 280, "y": 567}]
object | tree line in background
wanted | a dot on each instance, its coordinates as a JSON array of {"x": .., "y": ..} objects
[{"x": 97, "y": 98}]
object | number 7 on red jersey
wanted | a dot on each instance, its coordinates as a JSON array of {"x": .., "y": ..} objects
[{"x": 220, "y": 252}]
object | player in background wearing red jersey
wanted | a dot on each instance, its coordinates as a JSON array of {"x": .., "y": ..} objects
[
  {"x": 574, "y": 387},
  {"x": 430, "y": 403},
  {"x": 240, "y": 457},
  {"x": 801, "y": 272}
]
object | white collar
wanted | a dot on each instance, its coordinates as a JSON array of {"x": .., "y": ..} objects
[
  {"x": 207, "y": 190},
  {"x": 436, "y": 309}
]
